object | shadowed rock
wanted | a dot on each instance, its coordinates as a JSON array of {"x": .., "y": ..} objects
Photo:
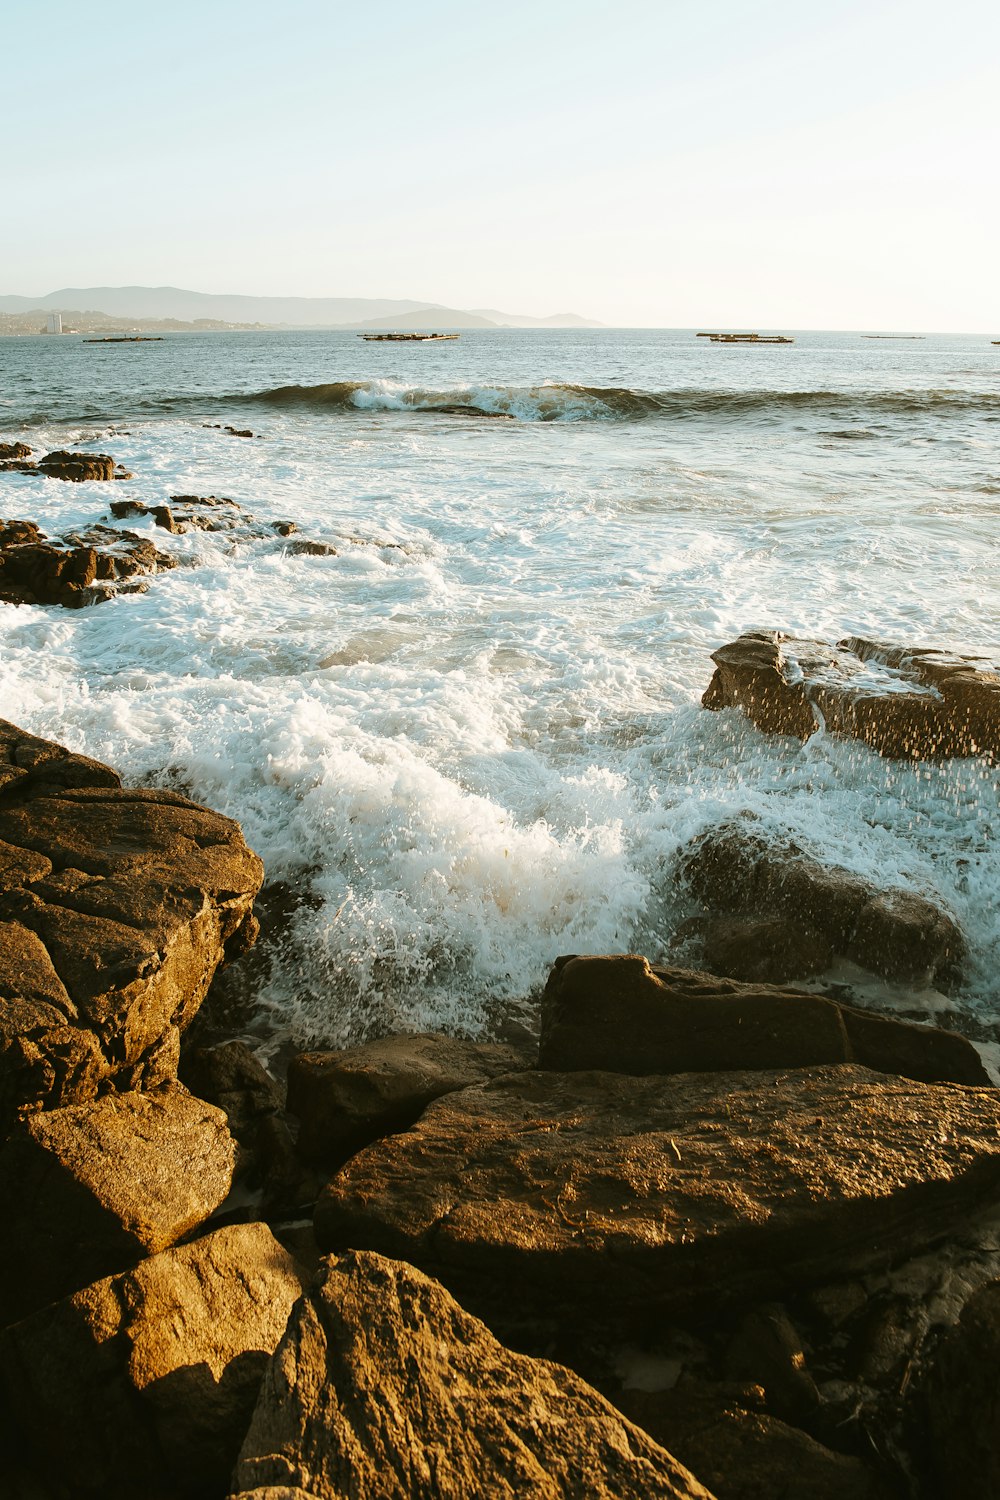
[
  {"x": 76, "y": 467},
  {"x": 384, "y": 1386},
  {"x": 143, "y": 1384},
  {"x": 621, "y": 1014},
  {"x": 76, "y": 569},
  {"x": 639, "y": 1197},
  {"x": 960, "y": 1402},
  {"x": 905, "y": 702}
]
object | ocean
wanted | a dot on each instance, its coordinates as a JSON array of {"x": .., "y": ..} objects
[{"x": 471, "y": 741}]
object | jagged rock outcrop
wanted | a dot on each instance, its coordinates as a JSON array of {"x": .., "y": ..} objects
[
  {"x": 11, "y": 451},
  {"x": 737, "y": 869},
  {"x": 622, "y": 1014},
  {"x": 76, "y": 467},
  {"x": 202, "y": 513},
  {"x": 633, "y": 1198},
  {"x": 345, "y": 1100},
  {"x": 384, "y": 1386},
  {"x": 906, "y": 702},
  {"x": 93, "y": 1188},
  {"x": 75, "y": 569},
  {"x": 116, "y": 908},
  {"x": 143, "y": 1384}
]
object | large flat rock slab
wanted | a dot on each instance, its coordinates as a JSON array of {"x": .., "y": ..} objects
[
  {"x": 907, "y": 702},
  {"x": 621, "y": 1014},
  {"x": 93, "y": 1188},
  {"x": 633, "y": 1197},
  {"x": 116, "y": 908},
  {"x": 143, "y": 1384},
  {"x": 383, "y": 1386}
]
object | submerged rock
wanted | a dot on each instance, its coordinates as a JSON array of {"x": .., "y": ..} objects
[
  {"x": 384, "y": 1386},
  {"x": 76, "y": 569},
  {"x": 906, "y": 702},
  {"x": 637, "y": 1198},
  {"x": 116, "y": 908},
  {"x": 93, "y": 1188},
  {"x": 345, "y": 1100},
  {"x": 143, "y": 1384},
  {"x": 621, "y": 1014},
  {"x": 736, "y": 869}
]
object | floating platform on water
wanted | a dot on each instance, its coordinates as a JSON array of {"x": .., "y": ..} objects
[
  {"x": 746, "y": 338},
  {"x": 892, "y": 335},
  {"x": 152, "y": 338},
  {"x": 406, "y": 338}
]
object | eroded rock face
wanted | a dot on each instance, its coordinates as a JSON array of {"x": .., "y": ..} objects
[
  {"x": 76, "y": 569},
  {"x": 345, "y": 1100},
  {"x": 91, "y": 1189},
  {"x": 116, "y": 909},
  {"x": 384, "y": 1386},
  {"x": 76, "y": 467},
  {"x": 9, "y": 451},
  {"x": 622, "y": 1014},
  {"x": 905, "y": 702},
  {"x": 962, "y": 1404},
  {"x": 638, "y": 1197},
  {"x": 143, "y": 1384},
  {"x": 737, "y": 869}
]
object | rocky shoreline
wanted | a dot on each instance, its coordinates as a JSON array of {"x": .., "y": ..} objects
[{"x": 709, "y": 1234}]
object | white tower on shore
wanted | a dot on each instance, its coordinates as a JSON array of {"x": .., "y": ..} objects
[{"x": 53, "y": 323}]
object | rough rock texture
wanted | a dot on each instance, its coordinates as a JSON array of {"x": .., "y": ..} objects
[
  {"x": 620, "y": 1013},
  {"x": 14, "y": 450},
  {"x": 77, "y": 467},
  {"x": 765, "y": 950},
  {"x": 962, "y": 1403},
  {"x": 116, "y": 908},
  {"x": 91, "y": 1189},
  {"x": 345, "y": 1100},
  {"x": 202, "y": 513},
  {"x": 738, "y": 869},
  {"x": 143, "y": 1384},
  {"x": 906, "y": 702},
  {"x": 74, "y": 570},
  {"x": 745, "y": 1454},
  {"x": 231, "y": 1077},
  {"x": 383, "y": 1386},
  {"x": 632, "y": 1197}
]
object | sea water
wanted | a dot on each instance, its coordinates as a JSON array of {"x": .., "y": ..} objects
[{"x": 472, "y": 740}]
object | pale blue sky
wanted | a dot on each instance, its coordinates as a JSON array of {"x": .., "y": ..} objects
[{"x": 772, "y": 164}]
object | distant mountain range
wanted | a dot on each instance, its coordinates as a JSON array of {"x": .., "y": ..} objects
[{"x": 282, "y": 312}]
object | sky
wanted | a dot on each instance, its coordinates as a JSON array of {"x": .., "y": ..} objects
[{"x": 672, "y": 163}]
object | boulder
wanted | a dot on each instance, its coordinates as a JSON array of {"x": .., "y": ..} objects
[
  {"x": 77, "y": 467},
  {"x": 745, "y": 1454},
  {"x": 644, "y": 1198},
  {"x": 384, "y": 1386},
  {"x": 231, "y": 1077},
  {"x": 961, "y": 1403},
  {"x": 620, "y": 1013},
  {"x": 10, "y": 451},
  {"x": 143, "y": 1384},
  {"x": 345, "y": 1100},
  {"x": 93, "y": 1188},
  {"x": 73, "y": 570},
  {"x": 202, "y": 513},
  {"x": 737, "y": 869},
  {"x": 765, "y": 950},
  {"x": 116, "y": 908},
  {"x": 907, "y": 702}
]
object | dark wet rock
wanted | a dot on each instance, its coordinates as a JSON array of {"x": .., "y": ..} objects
[
  {"x": 306, "y": 548},
  {"x": 142, "y": 1385},
  {"x": 203, "y": 513},
  {"x": 232, "y": 431},
  {"x": 746, "y": 1454},
  {"x": 80, "y": 467},
  {"x": 116, "y": 908},
  {"x": 620, "y": 1013},
  {"x": 231, "y": 1077},
  {"x": 906, "y": 702},
  {"x": 73, "y": 570},
  {"x": 93, "y": 1188},
  {"x": 642, "y": 1197},
  {"x": 345, "y": 1100},
  {"x": 9, "y": 451},
  {"x": 738, "y": 869},
  {"x": 383, "y": 1385},
  {"x": 766, "y": 1350},
  {"x": 961, "y": 1403},
  {"x": 766, "y": 950}
]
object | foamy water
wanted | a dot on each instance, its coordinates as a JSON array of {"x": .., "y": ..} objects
[{"x": 473, "y": 737}]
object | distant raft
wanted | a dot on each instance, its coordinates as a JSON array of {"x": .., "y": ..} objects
[
  {"x": 746, "y": 338},
  {"x": 405, "y": 338},
  {"x": 131, "y": 339}
]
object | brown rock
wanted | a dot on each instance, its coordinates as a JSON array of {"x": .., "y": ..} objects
[
  {"x": 619, "y": 1013},
  {"x": 345, "y": 1100},
  {"x": 638, "y": 1197},
  {"x": 93, "y": 1188},
  {"x": 73, "y": 570},
  {"x": 143, "y": 1384},
  {"x": 737, "y": 869},
  {"x": 745, "y": 1454},
  {"x": 14, "y": 450},
  {"x": 77, "y": 466},
  {"x": 766, "y": 1350},
  {"x": 905, "y": 702},
  {"x": 116, "y": 908},
  {"x": 961, "y": 1403},
  {"x": 384, "y": 1386},
  {"x": 767, "y": 950},
  {"x": 306, "y": 548}
]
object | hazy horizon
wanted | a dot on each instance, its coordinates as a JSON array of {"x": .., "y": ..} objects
[{"x": 657, "y": 168}]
